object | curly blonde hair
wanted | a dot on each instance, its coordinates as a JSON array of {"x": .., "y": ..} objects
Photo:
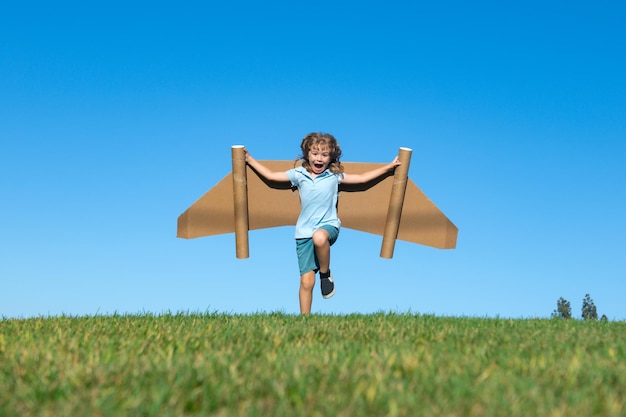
[{"x": 321, "y": 140}]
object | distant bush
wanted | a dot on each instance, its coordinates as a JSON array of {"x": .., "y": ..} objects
[
  {"x": 563, "y": 309},
  {"x": 589, "y": 309}
]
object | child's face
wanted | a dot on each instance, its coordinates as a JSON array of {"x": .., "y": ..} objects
[{"x": 319, "y": 158}]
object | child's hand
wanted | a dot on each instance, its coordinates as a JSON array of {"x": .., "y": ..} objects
[{"x": 396, "y": 162}]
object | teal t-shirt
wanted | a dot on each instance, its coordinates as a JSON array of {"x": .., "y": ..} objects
[{"x": 318, "y": 200}]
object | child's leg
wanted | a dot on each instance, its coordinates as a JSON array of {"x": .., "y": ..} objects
[
  {"x": 322, "y": 239},
  {"x": 307, "y": 282},
  {"x": 322, "y": 249}
]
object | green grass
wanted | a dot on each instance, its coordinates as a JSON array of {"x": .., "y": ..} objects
[{"x": 285, "y": 365}]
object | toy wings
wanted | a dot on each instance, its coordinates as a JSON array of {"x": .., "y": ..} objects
[{"x": 392, "y": 207}]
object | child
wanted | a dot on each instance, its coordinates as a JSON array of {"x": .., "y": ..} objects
[{"x": 318, "y": 225}]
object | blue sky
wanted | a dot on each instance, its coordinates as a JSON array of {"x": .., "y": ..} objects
[{"x": 116, "y": 116}]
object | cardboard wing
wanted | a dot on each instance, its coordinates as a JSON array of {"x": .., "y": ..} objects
[{"x": 242, "y": 201}]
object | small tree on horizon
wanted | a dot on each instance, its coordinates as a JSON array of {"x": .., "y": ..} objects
[
  {"x": 589, "y": 309},
  {"x": 563, "y": 309}
]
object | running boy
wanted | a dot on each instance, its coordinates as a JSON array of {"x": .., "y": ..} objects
[{"x": 317, "y": 228}]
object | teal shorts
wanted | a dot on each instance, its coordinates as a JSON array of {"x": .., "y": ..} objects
[{"x": 307, "y": 260}]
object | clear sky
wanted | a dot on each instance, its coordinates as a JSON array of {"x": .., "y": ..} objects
[{"x": 116, "y": 116}]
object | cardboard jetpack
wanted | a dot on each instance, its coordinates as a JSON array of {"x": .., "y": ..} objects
[{"x": 391, "y": 206}]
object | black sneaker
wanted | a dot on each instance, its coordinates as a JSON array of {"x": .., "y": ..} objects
[{"x": 328, "y": 286}]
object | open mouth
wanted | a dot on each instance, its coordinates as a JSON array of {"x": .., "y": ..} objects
[{"x": 318, "y": 166}]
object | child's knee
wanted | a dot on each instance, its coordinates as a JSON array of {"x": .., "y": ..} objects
[
  {"x": 320, "y": 237},
  {"x": 307, "y": 281}
]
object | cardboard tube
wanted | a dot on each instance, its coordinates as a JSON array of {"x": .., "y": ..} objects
[
  {"x": 396, "y": 200},
  {"x": 240, "y": 198}
]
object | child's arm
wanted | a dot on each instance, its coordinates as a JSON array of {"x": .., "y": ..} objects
[
  {"x": 370, "y": 175},
  {"x": 262, "y": 170}
]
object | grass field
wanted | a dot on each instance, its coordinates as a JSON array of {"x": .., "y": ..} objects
[{"x": 321, "y": 365}]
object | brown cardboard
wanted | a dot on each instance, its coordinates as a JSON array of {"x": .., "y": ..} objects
[
  {"x": 240, "y": 196},
  {"x": 363, "y": 208},
  {"x": 396, "y": 200}
]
